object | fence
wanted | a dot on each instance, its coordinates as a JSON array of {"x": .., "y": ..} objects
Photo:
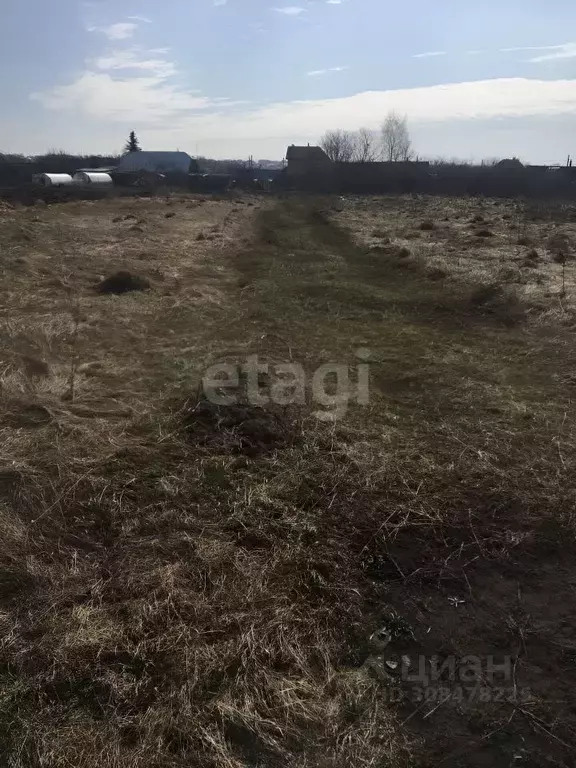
[{"x": 422, "y": 178}]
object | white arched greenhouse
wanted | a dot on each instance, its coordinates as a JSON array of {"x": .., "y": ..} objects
[
  {"x": 53, "y": 179},
  {"x": 88, "y": 179}
]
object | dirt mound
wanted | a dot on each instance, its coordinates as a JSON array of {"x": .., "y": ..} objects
[
  {"x": 123, "y": 282},
  {"x": 241, "y": 427},
  {"x": 247, "y": 429}
]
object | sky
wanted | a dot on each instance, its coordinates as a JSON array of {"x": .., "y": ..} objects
[{"x": 234, "y": 78}]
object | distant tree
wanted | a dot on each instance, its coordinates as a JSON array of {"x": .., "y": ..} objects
[
  {"x": 57, "y": 153},
  {"x": 365, "y": 149},
  {"x": 396, "y": 143},
  {"x": 132, "y": 145},
  {"x": 13, "y": 158},
  {"x": 339, "y": 145}
]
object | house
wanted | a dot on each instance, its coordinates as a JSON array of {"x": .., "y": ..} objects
[
  {"x": 157, "y": 162},
  {"x": 307, "y": 161}
]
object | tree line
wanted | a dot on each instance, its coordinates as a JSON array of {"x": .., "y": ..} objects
[{"x": 390, "y": 144}]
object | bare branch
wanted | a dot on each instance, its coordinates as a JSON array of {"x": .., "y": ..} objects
[
  {"x": 366, "y": 150},
  {"x": 339, "y": 145},
  {"x": 396, "y": 144}
]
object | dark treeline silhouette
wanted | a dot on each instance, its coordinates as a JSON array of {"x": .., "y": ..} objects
[
  {"x": 508, "y": 178},
  {"x": 16, "y": 170}
]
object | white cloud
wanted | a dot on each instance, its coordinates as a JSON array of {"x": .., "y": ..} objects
[
  {"x": 150, "y": 99},
  {"x": 531, "y": 48},
  {"x": 149, "y": 95},
  {"x": 334, "y": 2},
  {"x": 143, "y": 19},
  {"x": 429, "y": 54},
  {"x": 508, "y": 97},
  {"x": 566, "y": 51},
  {"x": 120, "y": 31},
  {"x": 561, "y": 51},
  {"x": 317, "y": 72},
  {"x": 139, "y": 99},
  {"x": 290, "y": 10},
  {"x": 220, "y": 2},
  {"x": 135, "y": 59}
]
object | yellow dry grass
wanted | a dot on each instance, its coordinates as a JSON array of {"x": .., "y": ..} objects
[
  {"x": 169, "y": 598},
  {"x": 504, "y": 242}
]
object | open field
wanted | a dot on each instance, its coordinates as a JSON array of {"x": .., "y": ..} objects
[{"x": 235, "y": 587}]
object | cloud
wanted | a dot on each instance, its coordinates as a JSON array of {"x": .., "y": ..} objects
[
  {"x": 120, "y": 31},
  {"x": 220, "y": 2},
  {"x": 141, "y": 99},
  {"x": 135, "y": 59},
  {"x": 429, "y": 54},
  {"x": 148, "y": 95},
  {"x": 561, "y": 51},
  {"x": 290, "y": 10},
  {"x": 565, "y": 51},
  {"x": 531, "y": 48},
  {"x": 334, "y": 2},
  {"x": 148, "y": 100},
  {"x": 143, "y": 19},
  {"x": 506, "y": 97},
  {"x": 317, "y": 72}
]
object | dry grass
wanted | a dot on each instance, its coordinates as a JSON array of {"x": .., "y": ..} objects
[
  {"x": 499, "y": 251},
  {"x": 187, "y": 586}
]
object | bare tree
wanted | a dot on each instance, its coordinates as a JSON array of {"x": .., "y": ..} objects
[
  {"x": 396, "y": 144},
  {"x": 339, "y": 145},
  {"x": 366, "y": 150}
]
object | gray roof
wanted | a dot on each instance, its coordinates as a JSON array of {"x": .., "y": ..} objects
[
  {"x": 155, "y": 161},
  {"x": 105, "y": 169}
]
